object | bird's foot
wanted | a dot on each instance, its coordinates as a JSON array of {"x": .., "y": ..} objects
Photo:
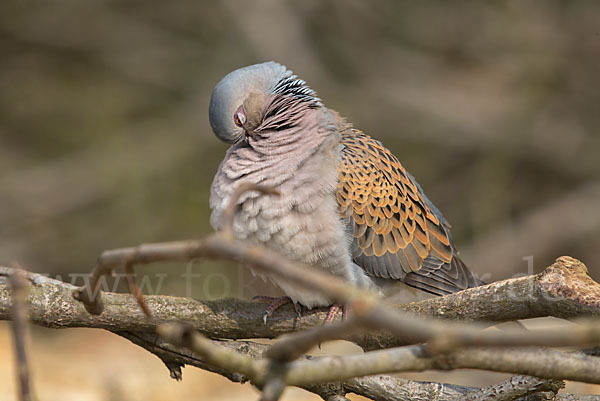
[
  {"x": 276, "y": 303},
  {"x": 333, "y": 309}
]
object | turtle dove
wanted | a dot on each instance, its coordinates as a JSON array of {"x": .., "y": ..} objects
[{"x": 346, "y": 205}]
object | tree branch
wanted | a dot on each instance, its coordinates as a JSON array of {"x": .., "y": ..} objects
[
  {"x": 18, "y": 287},
  {"x": 376, "y": 387},
  {"x": 515, "y": 387},
  {"x": 564, "y": 290}
]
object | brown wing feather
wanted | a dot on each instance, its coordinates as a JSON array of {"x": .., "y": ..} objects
[
  {"x": 442, "y": 278},
  {"x": 393, "y": 227}
]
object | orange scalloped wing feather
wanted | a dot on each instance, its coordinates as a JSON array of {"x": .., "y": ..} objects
[{"x": 393, "y": 228}]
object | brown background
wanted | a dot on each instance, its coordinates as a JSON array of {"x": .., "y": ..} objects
[{"x": 104, "y": 140}]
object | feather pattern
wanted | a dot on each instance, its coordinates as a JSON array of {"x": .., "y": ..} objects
[
  {"x": 300, "y": 160},
  {"x": 324, "y": 169},
  {"x": 397, "y": 232},
  {"x": 291, "y": 85}
]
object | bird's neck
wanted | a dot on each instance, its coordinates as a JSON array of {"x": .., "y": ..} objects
[{"x": 297, "y": 138}]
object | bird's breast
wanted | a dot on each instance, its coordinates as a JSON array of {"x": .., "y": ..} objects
[{"x": 301, "y": 224}]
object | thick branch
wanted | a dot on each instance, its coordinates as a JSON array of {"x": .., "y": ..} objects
[
  {"x": 367, "y": 309},
  {"x": 390, "y": 388},
  {"x": 562, "y": 290},
  {"x": 52, "y": 306},
  {"x": 515, "y": 387}
]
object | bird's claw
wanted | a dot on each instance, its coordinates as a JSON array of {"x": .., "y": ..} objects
[
  {"x": 276, "y": 302},
  {"x": 298, "y": 309}
]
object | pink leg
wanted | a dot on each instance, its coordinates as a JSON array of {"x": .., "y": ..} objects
[
  {"x": 275, "y": 303},
  {"x": 333, "y": 309},
  {"x": 332, "y": 312}
]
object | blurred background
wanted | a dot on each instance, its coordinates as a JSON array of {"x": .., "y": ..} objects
[{"x": 105, "y": 142}]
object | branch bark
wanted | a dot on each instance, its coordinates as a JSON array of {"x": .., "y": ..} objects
[
  {"x": 535, "y": 361},
  {"x": 376, "y": 387},
  {"x": 562, "y": 290},
  {"x": 515, "y": 387}
]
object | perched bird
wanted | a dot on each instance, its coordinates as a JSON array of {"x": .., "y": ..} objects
[{"x": 346, "y": 205}]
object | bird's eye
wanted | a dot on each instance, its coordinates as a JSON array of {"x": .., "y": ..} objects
[{"x": 239, "y": 118}]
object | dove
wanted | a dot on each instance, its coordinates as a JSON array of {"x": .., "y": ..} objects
[{"x": 346, "y": 205}]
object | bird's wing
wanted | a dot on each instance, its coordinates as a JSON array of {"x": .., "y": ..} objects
[{"x": 397, "y": 233}]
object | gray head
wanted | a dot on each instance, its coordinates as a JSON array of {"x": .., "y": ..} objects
[{"x": 239, "y": 100}]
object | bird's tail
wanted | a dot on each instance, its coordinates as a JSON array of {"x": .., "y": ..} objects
[{"x": 440, "y": 278}]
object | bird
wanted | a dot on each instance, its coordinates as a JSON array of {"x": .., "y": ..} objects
[{"x": 346, "y": 204}]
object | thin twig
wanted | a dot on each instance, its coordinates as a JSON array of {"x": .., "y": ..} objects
[
  {"x": 234, "y": 319},
  {"x": 378, "y": 387},
  {"x": 90, "y": 294},
  {"x": 366, "y": 306},
  {"x": 181, "y": 335},
  {"x": 293, "y": 346},
  {"x": 135, "y": 290},
  {"x": 18, "y": 285},
  {"x": 274, "y": 381},
  {"x": 175, "y": 357},
  {"x": 534, "y": 361}
]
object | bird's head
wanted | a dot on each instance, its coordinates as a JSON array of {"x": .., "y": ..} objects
[{"x": 240, "y": 102}]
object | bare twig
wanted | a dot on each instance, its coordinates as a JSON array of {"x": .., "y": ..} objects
[
  {"x": 90, "y": 294},
  {"x": 564, "y": 289},
  {"x": 366, "y": 306},
  {"x": 293, "y": 346},
  {"x": 376, "y": 387},
  {"x": 368, "y": 311},
  {"x": 135, "y": 290},
  {"x": 515, "y": 387},
  {"x": 274, "y": 381},
  {"x": 544, "y": 363},
  {"x": 18, "y": 285},
  {"x": 391, "y": 388},
  {"x": 174, "y": 357},
  {"x": 222, "y": 357},
  {"x": 51, "y": 306}
]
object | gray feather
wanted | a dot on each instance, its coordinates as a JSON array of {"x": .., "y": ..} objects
[{"x": 294, "y": 144}]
